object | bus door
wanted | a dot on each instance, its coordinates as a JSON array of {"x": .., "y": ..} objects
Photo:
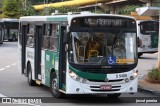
[
  {"x": 37, "y": 52},
  {"x": 23, "y": 49},
  {"x": 146, "y": 41},
  {"x": 62, "y": 57}
]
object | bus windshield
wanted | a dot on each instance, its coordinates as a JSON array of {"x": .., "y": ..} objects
[
  {"x": 149, "y": 27},
  {"x": 103, "y": 48}
]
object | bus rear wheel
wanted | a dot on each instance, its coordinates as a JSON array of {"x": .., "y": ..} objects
[
  {"x": 115, "y": 95},
  {"x": 53, "y": 86},
  {"x": 29, "y": 74}
]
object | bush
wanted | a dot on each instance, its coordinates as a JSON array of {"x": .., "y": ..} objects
[{"x": 154, "y": 74}]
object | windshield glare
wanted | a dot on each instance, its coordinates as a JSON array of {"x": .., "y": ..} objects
[{"x": 103, "y": 48}]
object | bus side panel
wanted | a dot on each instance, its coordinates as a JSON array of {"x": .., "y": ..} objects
[
  {"x": 49, "y": 62},
  {"x": 154, "y": 40}
]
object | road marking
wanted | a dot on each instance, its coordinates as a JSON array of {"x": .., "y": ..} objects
[
  {"x": 2, "y": 95},
  {"x": 13, "y": 64},
  {"x": 1, "y": 69},
  {"x": 4, "y": 68},
  {"x": 8, "y": 66}
]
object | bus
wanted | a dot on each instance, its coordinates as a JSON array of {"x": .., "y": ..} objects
[
  {"x": 147, "y": 33},
  {"x": 9, "y": 29},
  {"x": 81, "y": 53},
  {"x": 1, "y": 35}
]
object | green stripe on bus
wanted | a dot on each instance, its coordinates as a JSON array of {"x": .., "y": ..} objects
[
  {"x": 57, "y": 19},
  {"x": 86, "y": 75}
]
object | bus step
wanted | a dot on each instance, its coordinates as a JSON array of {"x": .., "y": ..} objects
[{"x": 38, "y": 82}]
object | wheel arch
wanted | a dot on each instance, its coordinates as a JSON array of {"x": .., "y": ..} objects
[{"x": 52, "y": 70}]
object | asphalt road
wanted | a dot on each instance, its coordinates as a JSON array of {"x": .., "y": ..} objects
[{"x": 13, "y": 84}]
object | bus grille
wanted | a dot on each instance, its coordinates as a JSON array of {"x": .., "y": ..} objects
[
  {"x": 117, "y": 80},
  {"x": 97, "y": 88}
]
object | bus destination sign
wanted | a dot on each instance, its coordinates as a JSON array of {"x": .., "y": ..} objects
[{"x": 102, "y": 22}]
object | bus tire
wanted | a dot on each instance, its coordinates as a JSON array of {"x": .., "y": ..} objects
[
  {"x": 53, "y": 86},
  {"x": 115, "y": 95},
  {"x": 29, "y": 75},
  {"x": 140, "y": 54}
]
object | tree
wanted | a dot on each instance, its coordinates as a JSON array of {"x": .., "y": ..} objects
[
  {"x": 156, "y": 3},
  {"x": 34, "y": 2},
  {"x": 16, "y": 9},
  {"x": 63, "y": 9},
  {"x": 128, "y": 9},
  {"x": 12, "y": 8},
  {"x": 29, "y": 10}
]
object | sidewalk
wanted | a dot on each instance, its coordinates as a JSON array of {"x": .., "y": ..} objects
[
  {"x": 143, "y": 69},
  {"x": 147, "y": 87}
]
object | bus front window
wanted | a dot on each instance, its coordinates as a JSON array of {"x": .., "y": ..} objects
[{"x": 102, "y": 48}]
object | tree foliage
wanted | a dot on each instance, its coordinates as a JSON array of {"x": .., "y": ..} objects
[
  {"x": 12, "y": 8},
  {"x": 156, "y": 3},
  {"x": 34, "y": 2},
  {"x": 64, "y": 9},
  {"x": 16, "y": 9},
  {"x": 128, "y": 9},
  {"x": 29, "y": 10}
]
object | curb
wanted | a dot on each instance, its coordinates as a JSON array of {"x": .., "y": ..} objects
[{"x": 156, "y": 93}]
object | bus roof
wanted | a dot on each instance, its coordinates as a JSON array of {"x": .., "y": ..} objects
[
  {"x": 67, "y": 17},
  {"x": 9, "y": 20},
  {"x": 147, "y": 21}
]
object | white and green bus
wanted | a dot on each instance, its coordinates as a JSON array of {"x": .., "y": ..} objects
[
  {"x": 80, "y": 53},
  {"x": 9, "y": 29},
  {"x": 147, "y": 33}
]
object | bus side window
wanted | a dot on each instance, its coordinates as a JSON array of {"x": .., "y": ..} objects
[
  {"x": 54, "y": 38},
  {"x": 45, "y": 38},
  {"x": 30, "y": 36},
  {"x": 20, "y": 34}
]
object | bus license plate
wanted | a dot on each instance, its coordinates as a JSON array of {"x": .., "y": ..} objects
[{"x": 105, "y": 87}]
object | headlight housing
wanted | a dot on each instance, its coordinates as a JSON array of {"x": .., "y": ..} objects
[
  {"x": 135, "y": 74},
  {"x": 76, "y": 77}
]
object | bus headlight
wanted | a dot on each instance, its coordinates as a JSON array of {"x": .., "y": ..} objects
[
  {"x": 76, "y": 77},
  {"x": 72, "y": 74},
  {"x": 135, "y": 74}
]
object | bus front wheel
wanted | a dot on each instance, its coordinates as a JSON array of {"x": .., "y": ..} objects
[
  {"x": 53, "y": 86},
  {"x": 116, "y": 95},
  {"x": 30, "y": 81}
]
